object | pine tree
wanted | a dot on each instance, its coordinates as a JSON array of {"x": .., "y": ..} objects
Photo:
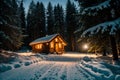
[
  {"x": 104, "y": 19},
  {"x": 71, "y": 23},
  {"x": 36, "y": 21},
  {"x": 59, "y": 19},
  {"x": 50, "y": 19},
  {"x": 31, "y": 21},
  {"x": 15, "y": 6},
  {"x": 42, "y": 20},
  {"x": 22, "y": 17},
  {"x": 10, "y": 33}
]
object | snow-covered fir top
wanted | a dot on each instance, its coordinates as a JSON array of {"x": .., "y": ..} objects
[
  {"x": 112, "y": 26},
  {"x": 44, "y": 39},
  {"x": 88, "y": 10}
]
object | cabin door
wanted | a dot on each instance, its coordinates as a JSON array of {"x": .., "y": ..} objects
[{"x": 57, "y": 47}]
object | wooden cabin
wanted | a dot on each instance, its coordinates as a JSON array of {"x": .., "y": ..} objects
[{"x": 49, "y": 44}]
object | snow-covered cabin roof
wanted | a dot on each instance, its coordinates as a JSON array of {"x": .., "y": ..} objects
[{"x": 44, "y": 39}]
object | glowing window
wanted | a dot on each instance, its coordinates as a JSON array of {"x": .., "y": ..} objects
[
  {"x": 38, "y": 46},
  {"x": 52, "y": 45},
  {"x": 60, "y": 45},
  {"x": 56, "y": 40}
]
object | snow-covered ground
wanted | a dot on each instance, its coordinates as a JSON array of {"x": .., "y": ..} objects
[
  {"x": 22, "y": 59},
  {"x": 69, "y": 66}
]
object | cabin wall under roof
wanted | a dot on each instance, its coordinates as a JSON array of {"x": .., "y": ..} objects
[{"x": 55, "y": 45}]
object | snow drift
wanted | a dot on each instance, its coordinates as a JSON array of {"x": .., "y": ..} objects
[{"x": 23, "y": 59}]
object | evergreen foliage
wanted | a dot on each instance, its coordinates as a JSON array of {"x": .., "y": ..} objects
[
  {"x": 10, "y": 32},
  {"x": 71, "y": 23},
  {"x": 15, "y": 25},
  {"x": 31, "y": 21},
  {"x": 98, "y": 19},
  {"x": 59, "y": 19},
  {"x": 36, "y": 21},
  {"x": 50, "y": 19},
  {"x": 21, "y": 13},
  {"x": 53, "y": 20}
]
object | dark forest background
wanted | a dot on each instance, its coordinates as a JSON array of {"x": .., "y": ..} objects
[{"x": 17, "y": 30}]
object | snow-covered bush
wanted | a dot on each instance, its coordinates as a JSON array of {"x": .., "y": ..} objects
[
  {"x": 86, "y": 58},
  {"x": 27, "y": 63},
  {"x": 20, "y": 61},
  {"x": 17, "y": 65},
  {"x": 4, "y": 68}
]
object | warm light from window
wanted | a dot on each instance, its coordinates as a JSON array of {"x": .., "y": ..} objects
[
  {"x": 60, "y": 45},
  {"x": 56, "y": 40},
  {"x": 38, "y": 46},
  {"x": 52, "y": 45}
]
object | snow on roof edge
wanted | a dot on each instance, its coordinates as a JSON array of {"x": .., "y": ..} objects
[{"x": 39, "y": 40}]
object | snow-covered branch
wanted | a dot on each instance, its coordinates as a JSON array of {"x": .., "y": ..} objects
[
  {"x": 90, "y": 10},
  {"x": 111, "y": 25}
]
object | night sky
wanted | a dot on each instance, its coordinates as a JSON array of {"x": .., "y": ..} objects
[{"x": 45, "y": 2}]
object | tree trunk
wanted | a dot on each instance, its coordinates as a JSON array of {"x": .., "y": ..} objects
[
  {"x": 104, "y": 52},
  {"x": 114, "y": 48},
  {"x": 72, "y": 43}
]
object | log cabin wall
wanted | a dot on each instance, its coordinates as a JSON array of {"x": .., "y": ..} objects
[
  {"x": 45, "y": 48},
  {"x": 56, "y": 44},
  {"x": 34, "y": 49}
]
